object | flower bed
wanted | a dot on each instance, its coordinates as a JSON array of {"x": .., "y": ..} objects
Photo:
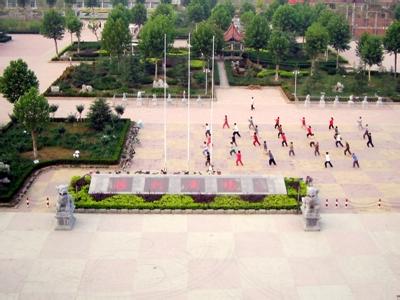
[
  {"x": 57, "y": 147},
  {"x": 79, "y": 188}
]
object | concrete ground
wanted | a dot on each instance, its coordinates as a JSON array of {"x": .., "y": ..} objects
[{"x": 199, "y": 257}]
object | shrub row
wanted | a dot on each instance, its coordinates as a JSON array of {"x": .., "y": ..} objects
[{"x": 20, "y": 26}]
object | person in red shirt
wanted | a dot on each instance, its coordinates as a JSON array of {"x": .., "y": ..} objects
[
  {"x": 284, "y": 141},
  {"x": 239, "y": 158},
  {"x": 255, "y": 140},
  {"x": 303, "y": 123},
  {"x": 277, "y": 123},
  {"x": 309, "y": 132},
  {"x": 209, "y": 140},
  {"x": 225, "y": 122},
  {"x": 331, "y": 124},
  {"x": 280, "y": 130}
]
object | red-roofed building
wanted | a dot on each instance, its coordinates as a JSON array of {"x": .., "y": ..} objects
[{"x": 234, "y": 38}]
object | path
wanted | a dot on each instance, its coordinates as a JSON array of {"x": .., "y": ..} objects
[
  {"x": 223, "y": 79},
  {"x": 188, "y": 257}
]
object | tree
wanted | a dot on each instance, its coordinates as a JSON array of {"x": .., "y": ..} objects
[
  {"x": 133, "y": 70},
  {"x": 117, "y": 2},
  {"x": 286, "y": 18},
  {"x": 199, "y": 10},
  {"x": 116, "y": 37},
  {"x": 17, "y": 79},
  {"x": 246, "y": 18},
  {"x": 120, "y": 12},
  {"x": 166, "y": 10},
  {"x": 316, "y": 42},
  {"x": 371, "y": 52},
  {"x": 260, "y": 6},
  {"x": 391, "y": 42},
  {"x": 139, "y": 14},
  {"x": 53, "y": 26},
  {"x": 51, "y": 3},
  {"x": 257, "y": 34},
  {"x": 32, "y": 111},
  {"x": 397, "y": 12},
  {"x": 220, "y": 16},
  {"x": 202, "y": 39},
  {"x": 152, "y": 38},
  {"x": 271, "y": 9},
  {"x": 99, "y": 114},
  {"x": 79, "y": 109},
  {"x": 94, "y": 26},
  {"x": 325, "y": 16},
  {"x": 306, "y": 15},
  {"x": 339, "y": 35},
  {"x": 229, "y": 6},
  {"x": 119, "y": 109},
  {"x": 278, "y": 47},
  {"x": 247, "y": 6},
  {"x": 74, "y": 25}
]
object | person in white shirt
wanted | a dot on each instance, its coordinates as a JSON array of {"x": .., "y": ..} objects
[
  {"x": 252, "y": 104},
  {"x": 339, "y": 141},
  {"x": 208, "y": 130},
  {"x": 327, "y": 160},
  {"x": 359, "y": 123},
  {"x": 236, "y": 130}
]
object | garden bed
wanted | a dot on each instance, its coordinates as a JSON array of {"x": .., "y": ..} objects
[
  {"x": 79, "y": 189},
  {"x": 56, "y": 146}
]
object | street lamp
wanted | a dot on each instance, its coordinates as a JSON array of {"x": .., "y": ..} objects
[
  {"x": 295, "y": 72},
  {"x": 206, "y": 70}
]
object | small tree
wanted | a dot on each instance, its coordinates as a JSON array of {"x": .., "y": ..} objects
[
  {"x": 339, "y": 35},
  {"x": 152, "y": 38},
  {"x": 392, "y": 42},
  {"x": 94, "y": 26},
  {"x": 115, "y": 37},
  {"x": 202, "y": 39},
  {"x": 119, "y": 109},
  {"x": 73, "y": 25},
  {"x": 221, "y": 17},
  {"x": 257, "y": 34},
  {"x": 230, "y": 7},
  {"x": 52, "y": 109},
  {"x": 32, "y": 111},
  {"x": 79, "y": 109},
  {"x": 17, "y": 79},
  {"x": 99, "y": 114},
  {"x": 247, "y": 6},
  {"x": 199, "y": 10},
  {"x": 165, "y": 10},
  {"x": 139, "y": 14},
  {"x": 286, "y": 18},
  {"x": 278, "y": 46},
  {"x": 316, "y": 42},
  {"x": 371, "y": 52},
  {"x": 53, "y": 26},
  {"x": 246, "y": 18}
]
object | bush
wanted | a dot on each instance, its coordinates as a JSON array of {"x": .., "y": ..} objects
[
  {"x": 20, "y": 26},
  {"x": 99, "y": 114},
  {"x": 196, "y": 64}
]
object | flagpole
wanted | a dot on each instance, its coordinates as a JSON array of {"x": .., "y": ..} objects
[
  {"x": 165, "y": 101},
  {"x": 212, "y": 101},
  {"x": 188, "y": 110}
]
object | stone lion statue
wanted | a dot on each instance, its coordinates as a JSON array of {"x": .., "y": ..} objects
[{"x": 64, "y": 202}]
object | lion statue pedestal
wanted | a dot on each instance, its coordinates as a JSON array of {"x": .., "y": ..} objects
[
  {"x": 310, "y": 209},
  {"x": 64, "y": 209}
]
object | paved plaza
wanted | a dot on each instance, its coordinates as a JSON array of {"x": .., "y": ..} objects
[
  {"x": 200, "y": 257},
  {"x": 129, "y": 256}
]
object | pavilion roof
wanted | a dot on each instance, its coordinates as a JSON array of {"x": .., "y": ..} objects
[{"x": 232, "y": 34}]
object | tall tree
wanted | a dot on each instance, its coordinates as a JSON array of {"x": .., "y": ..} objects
[
  {"x": 139, "y": 14},
  {"x": 257, "y": 34},
  {"x": 391, "y": 42},
  {"x": 33, "y": 112},
  {"x": 165, "y": 10},
  {"x": 202, "y": 39},
  {"x": 278, "y": 46},
  {"x": 230, "y": 7},
  {"x": 325, "y": 16},
  {"x": 17, "y": 79},
  {"x": 220, "y": 16},
  {"x": 286, "y": 18},
  {"x": 246, "y": 18},
  {"x": 152, "y": 38},
  {"x": 199, "y": 10},
  {"x": 371, "y": 52},
  {"x": 116, "y": 37},
  {"x": 247, "y": 6},
  {"x": 316, "y": 42},
  {"x": 53, "y": 26},
  {"x": 120, "y": 12},
  {"x": 73, "y": 25},
  {"x": 339, "y": 35},
  {"x": 306, "y": 15}
]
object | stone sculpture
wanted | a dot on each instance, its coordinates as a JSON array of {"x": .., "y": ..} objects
[
  {"x": 310, "y": 209},
  {"x": 308, "y": 100},
  {"x": 336, "y": 101},
  {"x": 351, "y": 101},
  {"x": 64, "y": 209},
  {"x": 339, "y": 87},
  {"x": 322, "y": 100}
]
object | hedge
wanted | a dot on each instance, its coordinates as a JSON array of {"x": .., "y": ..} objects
[{"x": 167, "y": 201}]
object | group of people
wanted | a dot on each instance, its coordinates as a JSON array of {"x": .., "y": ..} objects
[{"x": 233, "y": 149}]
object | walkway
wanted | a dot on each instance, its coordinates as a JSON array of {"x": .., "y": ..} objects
[
  {"x": 188, "y": 257},
  {"x": 223, "y": 79}
]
